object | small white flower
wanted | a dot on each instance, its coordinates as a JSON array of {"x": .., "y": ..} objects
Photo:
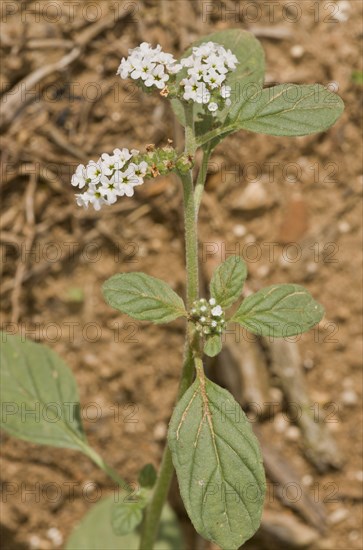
[
  {"x": 157, "y": 78},
  {"x": 225, "y": 91},
  {"x": 217, "y": 311},
  {"x": 202, "y": 319},
  {"x": 93, "y": 172},
  {"x": 212, "y": 302},
  {"x": 79, "y": 178},
  {"x": 203, "y": 308},
  {"x": 213, "y": 107}
]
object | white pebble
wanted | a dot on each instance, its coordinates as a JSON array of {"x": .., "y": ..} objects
[
  {"x": 297, "y": 51},
  {"x": 344, "y": 227},
  {"x": 292, "y": 433},
  {"x": 239, "y": 230},
  {"x": 55, "y": 536},
  {"x": 307, "y": 480},
  {"x": 340, "y": 514},
  {"x": 263, "y": 271},
  {"x": 349, "y": 398},
  {"x": 160, "y": 431}
]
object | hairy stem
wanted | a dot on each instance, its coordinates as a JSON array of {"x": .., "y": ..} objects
[
  {"x": 199, "y": 187},
  {"x": 160, "y": 493}
]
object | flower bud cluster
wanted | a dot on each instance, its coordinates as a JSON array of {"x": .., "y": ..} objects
[
  {"x": 151, "y": 67},
  {"x": 115, "y": 175},
  {"x": 207, "y": 68},
  {"x": 208, "y": 316}
]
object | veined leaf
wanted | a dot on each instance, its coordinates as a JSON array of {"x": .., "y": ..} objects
[
  {"x": 143, "y": 297},
  {"x": 95, "y": 532},
  {"x": 227, "y": 281},
  {"x": 213, "y": 345},
  {"x": 279, "y": 310},
  {"x": 39, "y": 396},
  {"x": 127, "y": 515},
  {"x": 218, "y": 464},
  {"x": 290, "y": 110}
]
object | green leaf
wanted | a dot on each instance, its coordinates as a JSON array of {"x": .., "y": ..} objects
[
  {"x": 290, "y": 110},
  {"x": 213, "y": 345},
  {"x": 244, "y": 81},
  {"x": 143, "y": 297},
  {"x": 39, "y": 396},
  {"x": 218, "y": 464},
  {"x": 227, "y": 281},
  {"x": 279, "y": 310},
  {"x": 148, "y": 476},
  {"x": 127, "y": 515},
  {"x": 95, "y": 531}
]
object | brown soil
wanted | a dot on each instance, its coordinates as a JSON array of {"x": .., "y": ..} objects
[{"x": 311, "y": 200}]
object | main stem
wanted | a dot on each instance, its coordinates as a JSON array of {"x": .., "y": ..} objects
[{"x": 154, "y": 509}]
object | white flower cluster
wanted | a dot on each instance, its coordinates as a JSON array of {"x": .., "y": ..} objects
[
  {"x": 208, "y": 316},
  {"x": 150, "y": 65},
  {"x": 112, "y": 176},
  {"x": 207, "y": 68}
]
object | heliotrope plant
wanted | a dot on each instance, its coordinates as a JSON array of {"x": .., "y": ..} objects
[{"x": 216, "y": 88}]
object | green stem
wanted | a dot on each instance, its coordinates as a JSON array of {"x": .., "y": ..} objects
[
  {"x": 160, "y": 493},
  {"x": 199, "y": 187},
  {"x": 97, "y": 459}
]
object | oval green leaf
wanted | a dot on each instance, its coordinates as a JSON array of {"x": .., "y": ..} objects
[
  {"x": 95, "y": 532},
  {"x": 227, "y": 281},
  {"x": 39, "y": 396},
  {"x": 213, "y": 345},
  {"x": 127, "y": 515},
  {"x": 290, "y": 110},
  {"x": 143, "y": 297},
  {"x": 279, "y": 311},
  {"x": 219, "y": 465},
  {"x": 148, "y": 476}
]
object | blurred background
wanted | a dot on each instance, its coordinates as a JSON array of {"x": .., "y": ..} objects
[{"x": 290, "y": 207}]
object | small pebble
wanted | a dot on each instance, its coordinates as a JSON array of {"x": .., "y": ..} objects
[
  {"x": 280, "y": 423},
  {"x": 160, "y": 431},
  {"x": 292, "y": 433},
  {"x": 263, "y": 271},
  {"x": 297, "y": 51},
  {"x": 239, "y": 230},
  {"x": 55, "y": 536},
  {"x": 311, "y": 267},
  {"x": 340, "y": 514},
  {"x": 344, "y": 227},
  {"x": 349, "y": 398},
  {"x": 116, "y": 116},
  {"x": 308, "y": 363},
  {"x": 307, "y": 480}
]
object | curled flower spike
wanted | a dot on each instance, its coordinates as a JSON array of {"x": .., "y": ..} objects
[
  {"x": 116, "y": 175},
  {"x": 208, "y": 67},
  {"x": 112, "y": 176},
  {"x": 208, "y": 317}
]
